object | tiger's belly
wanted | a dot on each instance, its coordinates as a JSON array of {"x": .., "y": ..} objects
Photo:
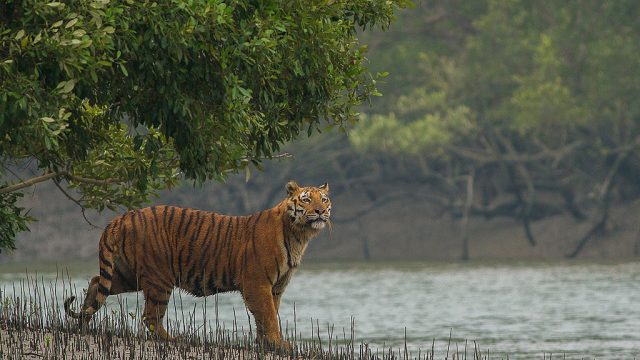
[{"x": 201, "y": 286}]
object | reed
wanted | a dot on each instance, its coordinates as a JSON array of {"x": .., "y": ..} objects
[{"x": 33, "y": 326}]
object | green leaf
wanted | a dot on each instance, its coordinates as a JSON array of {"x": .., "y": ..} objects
[
  {"x": 20, "y": 35},
  {"x": 55, "y": 4},
  {"x": 71, "y": 23},
  {"x": 65, "y": 87},
  {"x": 123, "y": 69}
]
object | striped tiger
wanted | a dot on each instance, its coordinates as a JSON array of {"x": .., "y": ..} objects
[{"x": 158, "y": 248}]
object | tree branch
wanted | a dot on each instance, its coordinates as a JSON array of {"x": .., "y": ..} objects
[
  {"x": 53, "y": 175},
  {"x": 486, "y": 158},
  {"x": 30, "y": 182},
  {"x": 83, "y": 209}
]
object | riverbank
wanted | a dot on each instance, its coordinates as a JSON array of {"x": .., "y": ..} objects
[
  {"x": 26, "y": 342},
  {"x": 34, "y": 344},
  {"x": 394, "y": 229}
]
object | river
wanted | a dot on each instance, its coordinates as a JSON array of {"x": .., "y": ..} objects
[{"x": 522, "y": 310}]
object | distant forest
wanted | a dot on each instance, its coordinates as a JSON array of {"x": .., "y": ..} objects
[{"x": 518, "y": 109}]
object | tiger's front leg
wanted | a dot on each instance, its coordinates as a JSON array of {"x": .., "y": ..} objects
[
  {"x": 278, "y": 289},
  {"x": 259, "y": 300}
]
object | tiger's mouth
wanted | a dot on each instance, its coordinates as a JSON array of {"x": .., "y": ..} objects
[{"x": 317, "y": 223}]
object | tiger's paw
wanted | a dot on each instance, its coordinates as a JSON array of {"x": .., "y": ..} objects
[{"x": 278, "y": 345}]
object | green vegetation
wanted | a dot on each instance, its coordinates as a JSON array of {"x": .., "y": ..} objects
[
  {"x": 116, "y": 98},
  {"x": 524, "y": 109}
]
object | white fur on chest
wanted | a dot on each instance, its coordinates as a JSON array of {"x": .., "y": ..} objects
[{"x": 293, "y": 256}]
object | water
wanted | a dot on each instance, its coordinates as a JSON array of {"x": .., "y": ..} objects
[{"x": 520, "y": 310}]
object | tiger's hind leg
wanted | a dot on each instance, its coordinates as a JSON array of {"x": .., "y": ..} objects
[
  {"x": 155, "y": 307},
  {"x": 121, "y": 281},
  {"x": 89, "y": 301}
]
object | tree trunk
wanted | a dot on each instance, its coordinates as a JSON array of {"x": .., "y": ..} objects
[{"x": 465, "y": 218}]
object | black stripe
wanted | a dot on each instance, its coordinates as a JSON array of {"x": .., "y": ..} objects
[
  {"x": 110, "y": 227},
  {"x": 224, "y": 278},
  {"x": 179, "y": 233},
  {"x": 253, "y": 233},
  {"x": 197, "y": 287},
  {"x": 218, "y": 241},
  {"x": 143, "y": 220},
  {"x": 134, "y": 239},
  {"x": 195, "y": 235},
  {"x": 170, "y": 221},
  {"x": 184, "y": 213},
  {"x": 286, "y": 246},
  {"x": 204, "y": 253},
  {"x": 134, "y": 227},
  {"x": 122, "y": 277},
  {"x": 154, "y": 223},
  {"x": 123, "y": 235},
  {"x": 105, "y": 274},
  {"x": 244, "y": 263},
  {"x": 211, "y": 284},
  {"x": 278, "y": 268},
  {"x": 103, "y": 260},
  {"x": 224, "y": 240},
  {"x": 190, "y": 274},
  {"x": 103, "y": 290},
  {"x": 164, "y": 214},
  {"x": 186, "y": 227},
  {"x": 229, "y": 278},
  {"x": 266, "y": 273}
]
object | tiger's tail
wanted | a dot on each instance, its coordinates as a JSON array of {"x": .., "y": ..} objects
[{"x": 100, "y": 286}]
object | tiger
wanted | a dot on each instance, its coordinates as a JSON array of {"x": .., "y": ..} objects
[{"x": 159, "y": 248}]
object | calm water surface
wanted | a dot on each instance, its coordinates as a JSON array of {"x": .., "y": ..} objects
[{"x": 523, "y": 310}]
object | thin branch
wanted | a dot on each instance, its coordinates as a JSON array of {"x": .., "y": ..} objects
[
  {"x": 486, "y": 158},
  {"x": 90, "y": 180},
  {"x": 84, "y": 215},
  {"x": 30, "y": 182},
  {"x": 52, "y": 175},
  {"x": 12, "y": 172}
]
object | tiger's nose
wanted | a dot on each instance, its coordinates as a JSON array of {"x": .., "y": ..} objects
[{"x": 319, "y": 211}]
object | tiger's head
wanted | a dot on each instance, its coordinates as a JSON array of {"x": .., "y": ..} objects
[{"x": 308, "y": 206}]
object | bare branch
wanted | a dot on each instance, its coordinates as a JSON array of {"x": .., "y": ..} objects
[
  {"x": 30, "y": 182},
  {"x": 486, "y": 158},
  {"x": 53, "y": 175},
  {"x": 84, "y": 215}
]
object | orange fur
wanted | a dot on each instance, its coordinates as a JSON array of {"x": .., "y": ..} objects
[{"x": 158, "y": 248}]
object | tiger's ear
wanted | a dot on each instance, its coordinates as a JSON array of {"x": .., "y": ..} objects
[
  {"x": 324, "y": 187},
  {"x": 291, "y": 187}
]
